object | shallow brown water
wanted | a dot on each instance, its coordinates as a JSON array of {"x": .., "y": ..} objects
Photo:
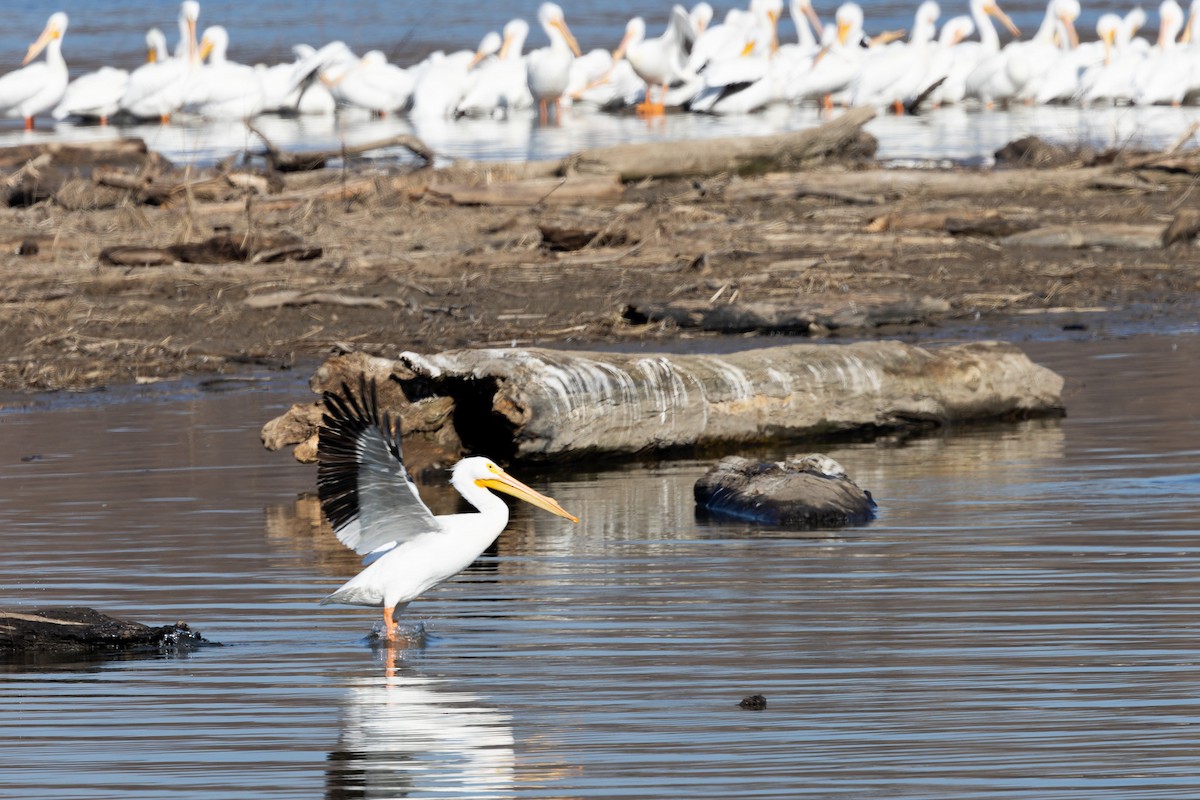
[{"x": 1021, "y": 621}]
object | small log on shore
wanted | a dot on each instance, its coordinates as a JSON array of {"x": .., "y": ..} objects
[
  {"x": 1110, "y": 235},
  {"x": 810, "y": 492},
  {"x": 283, "y": 161},
  {"x": 535, "y": 404},
  {"x": 568, "y": 190},
  {"x": 71, "y": 629},
  {"x": 220, "y": 249},
  {"x": 804, "y": 319}
]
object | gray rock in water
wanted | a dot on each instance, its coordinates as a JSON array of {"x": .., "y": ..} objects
[{"x": 809, "y": 492}]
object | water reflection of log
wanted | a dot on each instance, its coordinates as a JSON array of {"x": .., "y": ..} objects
[{"x": 407, "y": 736}]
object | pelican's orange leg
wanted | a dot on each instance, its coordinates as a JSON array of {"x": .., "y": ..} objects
[{"x": 389, "y": 623}]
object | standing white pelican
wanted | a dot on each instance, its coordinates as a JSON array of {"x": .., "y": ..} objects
[
  {"x": 895, "y": 73},
  {"x": 1111, "y": 78},
  {"x": 832, "y": 68},
  {"x": 445, "y": 79},
  {"x": 1166, "y": 73},
  {"x": 374, "y": 508},
  {"x": 38, "y": 87},
  {"x": 224, "y": 89},
  {"x": 97, "y": 95},
  {"x": 501, "y": 84},
  {"x": 550, "y": 67},
  {"x": 658, "y": 62},
  {"x": 969, "y": 55},
  {"x": 750, "y": 79},
  {"x": 369, "y": 82},
  {"x": 157, "y": 90}
]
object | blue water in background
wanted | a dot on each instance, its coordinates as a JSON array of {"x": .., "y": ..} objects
[{"x": 113, "y": 32}]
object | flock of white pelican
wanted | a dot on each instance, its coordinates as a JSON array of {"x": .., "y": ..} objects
[{"x": 737, "y": 65}]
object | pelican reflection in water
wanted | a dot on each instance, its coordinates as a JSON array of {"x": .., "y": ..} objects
[{"x": 404, "y": 735}]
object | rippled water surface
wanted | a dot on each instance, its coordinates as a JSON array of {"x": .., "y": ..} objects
[{"x": 1021, "y": 621}]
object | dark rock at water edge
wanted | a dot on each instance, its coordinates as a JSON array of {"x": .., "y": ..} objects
[
  {"x": 72, "y": 629},
  {"x": 810, "y": 492}
]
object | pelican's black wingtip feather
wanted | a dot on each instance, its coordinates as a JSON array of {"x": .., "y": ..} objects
[{"x": 349, "y": 423}]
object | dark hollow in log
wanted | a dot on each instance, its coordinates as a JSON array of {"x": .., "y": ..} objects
[
  {"x": 811, "y": 492},
  {"x": 78, "y": 629}
]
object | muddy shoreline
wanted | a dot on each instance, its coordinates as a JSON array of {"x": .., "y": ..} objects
[{"x": 105, "y": 282}]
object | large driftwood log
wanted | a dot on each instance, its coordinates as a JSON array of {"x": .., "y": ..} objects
[
  {"x": 810, "y": 492},
  {"x": 532, "y": 404},
  {"x": 68, "y": 629},
  {"x": 843, "y": 135}
]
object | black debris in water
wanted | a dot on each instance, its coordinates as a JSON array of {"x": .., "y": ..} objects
[{"x": 755, "y": 702}]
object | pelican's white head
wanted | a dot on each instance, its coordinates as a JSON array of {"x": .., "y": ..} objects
[
  {"x": 56, "y": 26},
  {"x": 550, "y": 15},
  {"x": 635, "y": 34},
  {"x": 214, "y": 44},
  {"x": 515, "y": 33},
  {"x": 477, "y": 472}
]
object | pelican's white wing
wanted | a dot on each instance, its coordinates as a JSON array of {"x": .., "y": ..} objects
[{"x": 366, "y": 493}]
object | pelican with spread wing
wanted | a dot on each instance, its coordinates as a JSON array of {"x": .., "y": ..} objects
[{"x": 373, "y": 505}]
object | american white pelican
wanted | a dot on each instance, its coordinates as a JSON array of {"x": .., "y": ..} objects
[
  {"x": 809, "y": 29},
  {"x": 1165, "y": 75},
  {"x": 954, "y": 31},
  {"x": 599, "y": 81},
  {"x": 1051, "y": 58},
  {"x": 374, "y": 508},
  {"x": 720, "y": 41},
  {"x": 700, "y": 16},
  {"x": 223, "y": 89},
  {"x": 895, "y": 73},
  {"x": 549, "y": 68},
  {"x": 501, "y": 84},
  {"x": 749, "y": 80},
  {"x": 36, "y": 88},
  {"x": 444, "y": 79},
  {"x": 157, "y": 90},
  {"x": 370, "y": 83},
  {"x": 1112, "y": 78},
  {"x": 97, "y": 95},
  {"x": 659, "y": 62},
  {"x": 968, "y": 55},
  {"x": 836, "y": 64}
]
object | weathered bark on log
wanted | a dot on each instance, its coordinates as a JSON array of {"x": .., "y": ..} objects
[
  {"x": 68, "y": 629},
  {"x": 804, "y": 319},
  {"x": 812, "y": 492},
  {"x": 745, "y": 155},
  {"x": 533, "y": 404}
]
